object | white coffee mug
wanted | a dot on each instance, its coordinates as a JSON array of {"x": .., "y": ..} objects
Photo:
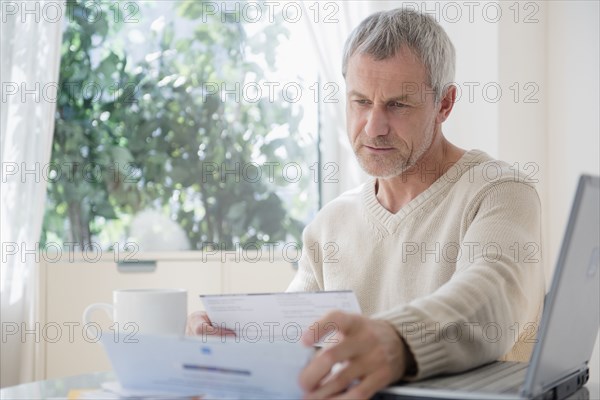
[{"x": 145, "y": 311}]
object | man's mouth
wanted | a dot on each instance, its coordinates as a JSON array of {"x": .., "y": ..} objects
[{"x": 377, "y": 149}]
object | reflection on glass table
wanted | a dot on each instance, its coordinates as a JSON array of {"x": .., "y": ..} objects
[{"x": 60, "y": 388}]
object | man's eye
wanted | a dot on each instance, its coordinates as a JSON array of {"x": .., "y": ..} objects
[
  {"x": 361, "y": 102},
  {"x": 398, "y": 105}
]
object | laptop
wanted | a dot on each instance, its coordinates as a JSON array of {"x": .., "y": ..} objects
[{"x": 568, "y": 328}]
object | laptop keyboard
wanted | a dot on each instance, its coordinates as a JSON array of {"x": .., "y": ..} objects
[{"x": 497, "y": 377}]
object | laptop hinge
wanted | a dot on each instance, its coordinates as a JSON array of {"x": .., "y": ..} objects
[{"x": 566, "y": 386}]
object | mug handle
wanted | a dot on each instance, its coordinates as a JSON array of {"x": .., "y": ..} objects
[{"x": 109, "y": 308}]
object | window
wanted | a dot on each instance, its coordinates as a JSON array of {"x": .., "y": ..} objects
[{"x": 182, "y": 125}]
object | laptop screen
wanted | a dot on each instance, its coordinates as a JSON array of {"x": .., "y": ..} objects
[{"x": 570, "y": 320}]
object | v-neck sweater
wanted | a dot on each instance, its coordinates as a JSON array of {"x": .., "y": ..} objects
[{"x": 457, "y": 270}]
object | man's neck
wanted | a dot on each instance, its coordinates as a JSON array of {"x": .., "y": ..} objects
[{"x": 394, "y": 193}]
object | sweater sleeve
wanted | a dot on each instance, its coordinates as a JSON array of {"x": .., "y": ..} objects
[
  {"x": 305, "y": 279},
  {"x": 496, "y": 290}
]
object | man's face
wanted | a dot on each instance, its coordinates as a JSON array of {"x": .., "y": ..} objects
[{"x": 391, "y": 113}]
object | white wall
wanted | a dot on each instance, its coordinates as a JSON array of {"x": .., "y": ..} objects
[
  {"x": 560, "y": 53},
  {"x": 522, "y": 123},
  {"x": 573, "y": 105},
  {"x": 473, "y": 123},
  {"x": 573, "y": 145}
]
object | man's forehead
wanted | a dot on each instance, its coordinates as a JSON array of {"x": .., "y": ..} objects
[{"x": 401, "y": 70}]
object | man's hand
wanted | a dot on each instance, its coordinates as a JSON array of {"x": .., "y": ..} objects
[
  {"x": 198, "y": 323},
  {"x": 372, "y": 353}
]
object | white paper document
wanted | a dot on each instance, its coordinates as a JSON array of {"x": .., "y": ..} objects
[
  {"x": 173, "y": 366},
  {"x": 275, "y": 317}
]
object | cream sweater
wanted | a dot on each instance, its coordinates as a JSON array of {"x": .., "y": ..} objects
[{"x": 457, "y": 270}]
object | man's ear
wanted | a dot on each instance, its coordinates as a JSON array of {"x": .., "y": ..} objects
[{"x": 446, "y": 104}]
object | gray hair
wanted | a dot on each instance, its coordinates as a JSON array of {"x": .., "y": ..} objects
[{"x": 382, "y": 34}]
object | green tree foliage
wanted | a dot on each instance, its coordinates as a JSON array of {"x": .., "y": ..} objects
[{"x": 156, "y": 135}]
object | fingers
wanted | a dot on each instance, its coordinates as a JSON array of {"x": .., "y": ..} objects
[
  {"x": 367, "y": 387},
  {"x": 198, "y": 323},
  {"x": 323, "y": 362},
  {"x": 355, "y": 342},
  {"x": 359, "y": 364},
  {"x": 195, "y": 321},
  {"x": 208, "y": 329},
  {"x": 338, "y": 321},
  {"x": 370, "y": 349},
  {"x": 338, "y": 382}
]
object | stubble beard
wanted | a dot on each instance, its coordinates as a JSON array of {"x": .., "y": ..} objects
[{"x": 394, "y": 164}]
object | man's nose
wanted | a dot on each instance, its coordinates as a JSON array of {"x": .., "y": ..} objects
[{"x": 377, "y": 123}]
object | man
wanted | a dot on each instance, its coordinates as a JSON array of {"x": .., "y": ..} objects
[{"x": 441, "y": 247}]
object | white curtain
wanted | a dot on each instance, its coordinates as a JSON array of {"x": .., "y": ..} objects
[
  {"x": 329, "y": 30},
  {"x": 30, "y": 46}
]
